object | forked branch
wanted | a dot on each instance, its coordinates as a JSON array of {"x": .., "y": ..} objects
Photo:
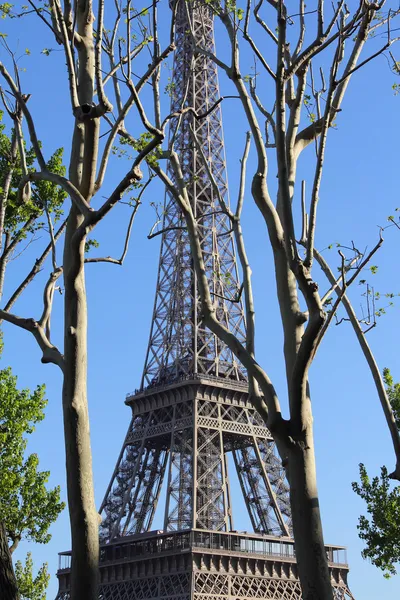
[{"x": 369, "y": 357}]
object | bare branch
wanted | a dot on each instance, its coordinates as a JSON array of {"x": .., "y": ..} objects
[
  {"x": 367, "y": 60},
  {"x": 50, "y": 354},
  {"x": 321, "y": 42},
  {"x": 320, "y": 162},
  {"x": 369, "y": 357},
  {"x": 120, "y": 261},
  {"x": 48, "y": 295},
  {"x": 68, "y": 49},
  {"x": 284, "y": 199},
  {"x": 154, "y": 234},
  {"x": 34, "y": 271},
  {"x": 117, "y": 128},
  {"x": 104, "y": 101},
  {"x": 253, "y": 46},
  {"x": 26, "y": 192},
  {"x": 22, "y": 104},
  {"x": 300, "y": 41},
  {"x": 345, "y": 285},
  {"x": 304, "y": 228},
  {"x": 156, "y": 74},
  {"x": 261, "y": 108},
  {"x": 310, "y": 133},
  {"x": 262, "y": 23},
  {"x": 75, "y": 195}
]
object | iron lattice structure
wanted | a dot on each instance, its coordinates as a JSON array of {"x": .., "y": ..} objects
[
  {"x": 193, "y": 408},
  {"x": 179, "y": 343}
]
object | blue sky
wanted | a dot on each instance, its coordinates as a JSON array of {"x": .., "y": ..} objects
[{"x": 359, "y": 190}]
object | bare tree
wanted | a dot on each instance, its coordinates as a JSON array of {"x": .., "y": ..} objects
[
  {"x": 95, "y": 127},
  {"x": 335, "y": 51}
]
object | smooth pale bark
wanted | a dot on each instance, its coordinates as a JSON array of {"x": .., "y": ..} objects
[
  {"x": 82, "y": 509},
  {"x": 301, "y": 470},
  {"x": 84, "y": 518},
  {"x": 299, "y": 457},
  {"x": 307, "y": 527},
  {"x": 8, "y": 584}
]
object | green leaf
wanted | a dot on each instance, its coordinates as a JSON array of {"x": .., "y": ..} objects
[
  {"x": 380, "y": 531},
  {"x": 27, "y": 506},
  {"x": 239, "y": 14},
  {"x": 91, "y": 244},
  {"x": 5, "y": 9},
  {"x": 30, "y": 587}
]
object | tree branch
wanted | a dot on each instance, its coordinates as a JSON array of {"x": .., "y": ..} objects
[
  {"x": 369, "y": 357},
  {"x": 48, "y": 295},
  {"x": 34, "y": 271},
  {"x": 103, "y": 100},
  {"x": 22, "y": 104},
  {"x": 345, "y": 285},
  {"x": 253, "y": 46},
  {"x": 50, "y": 354},
  {"x": 83, "y": 207},
  {"x": 120, "y": 261}
]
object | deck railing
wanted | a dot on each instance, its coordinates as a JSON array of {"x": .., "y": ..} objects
[{"x": 132, "y": 547}]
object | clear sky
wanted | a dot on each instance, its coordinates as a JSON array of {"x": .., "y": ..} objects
[{"x": 359, "y": 191}]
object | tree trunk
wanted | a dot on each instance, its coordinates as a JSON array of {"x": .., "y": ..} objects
[
  {"x": 8, "y": 584},
  {"x": 83, "y": 514},
  {"x": 307, "y": 528},
  {"x": 82, "y": 172}
]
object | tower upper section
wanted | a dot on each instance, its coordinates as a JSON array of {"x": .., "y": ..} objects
[{"x": 179, "y": 344}]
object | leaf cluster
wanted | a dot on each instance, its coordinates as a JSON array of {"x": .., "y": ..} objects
[
  {"x": 30, "y": 587},
  {"x": 22, "y": 217},
  {"x": 140, "y": 144},
  {"x": 27, "y": 507},
  {"x": 381, "y": 532}
]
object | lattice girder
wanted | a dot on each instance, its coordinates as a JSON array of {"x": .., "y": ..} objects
[
  {"x": 187, "y": 437},
  {"x": 179, "y": 343},
  {"x": 195, "y": 565}
]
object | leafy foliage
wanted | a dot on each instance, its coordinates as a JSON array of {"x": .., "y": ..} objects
[
  {"x": 91, "y": 243},
  {"x": 22, "y": 217},
  {"x": 382, "y": 532},
  {"x": 30, "y": 587},
  {"x": 393, "y": 392},
  {"x": 27, "y": 507}
]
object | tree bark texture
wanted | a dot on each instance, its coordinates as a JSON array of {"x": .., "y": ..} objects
[
  {"x": 8, "y": 584},
  {"x": 81, "y": 503},
  {"x": 307, "y": 527},
  {"x": 82, "y": 171}
]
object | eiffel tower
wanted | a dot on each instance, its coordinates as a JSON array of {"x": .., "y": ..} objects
[{"x": 192, "y": 416}]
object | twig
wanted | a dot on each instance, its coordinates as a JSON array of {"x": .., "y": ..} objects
[
  {"x": 253, "y": 46},
  {"x": 379, "y": 384},
  {"x": 22, "y": 104},
  {"x": 34, "y": 271},
  {"x": 120, "y": 261},
  {"x": 345, "y": 285}
]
